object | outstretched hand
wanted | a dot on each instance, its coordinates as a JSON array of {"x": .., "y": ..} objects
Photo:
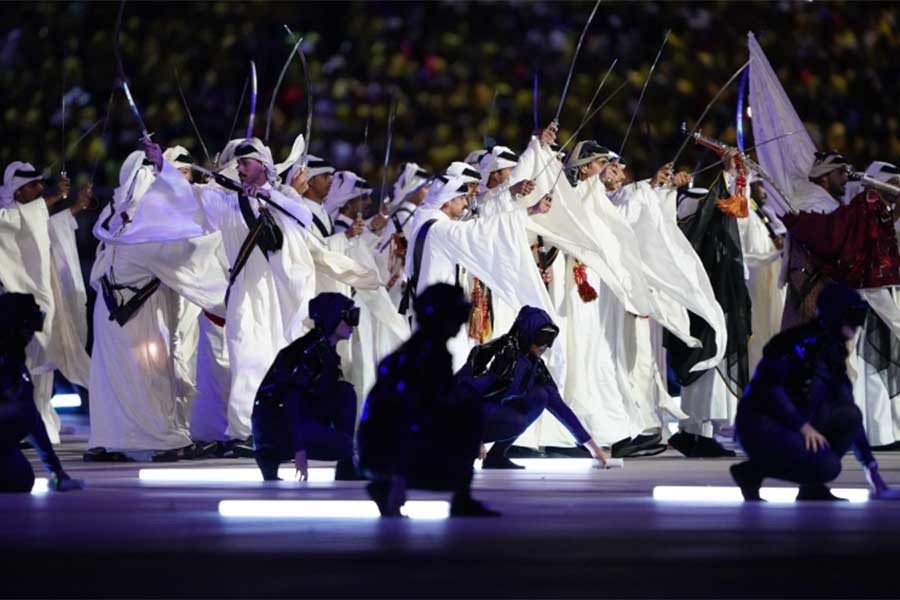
[{"x": 154, "y": 152}]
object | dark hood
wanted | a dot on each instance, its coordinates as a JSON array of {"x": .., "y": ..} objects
[
  {"x": 325, "y": 310},
  {"x": 531, "y": 324}
]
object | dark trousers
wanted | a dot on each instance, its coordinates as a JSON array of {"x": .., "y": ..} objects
[
  {"x": 436, "y": 452},
  {"x": 326, "y": 436},
  {"x": 508, "y": 420},
  {"x": 16, "y": 474},
  {"x": 777, "y": 451}
]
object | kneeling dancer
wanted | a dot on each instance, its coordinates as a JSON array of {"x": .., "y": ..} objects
[
  {"x": 797, "y": 418},
  {"x": 515, "y": 387},
  {"x": 304, "y": 409},
  {"x": 418, "y": 428}
]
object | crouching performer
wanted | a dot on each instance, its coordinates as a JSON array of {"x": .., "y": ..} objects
[
  {"x": 797, "y": 418},
  {"x": 418, "y": 428},
  {"x": 304, "y": 409},
  {"x": 515, "y": 387}
]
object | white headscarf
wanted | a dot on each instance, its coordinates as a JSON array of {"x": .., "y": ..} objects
[
  {"x": 880, "y": 170},
  {"x": 291, "y": 164},
  {"x": 499, "y": 157},
  {"x": 135, "y": 178},
  {"x": 443, "y": 190},
  {"x": 474, "y": 157},
  {"x": 346, "y": 186},
  {"x": 16, "y": 175},
  {"x": 464, "y": 170},
  {"x": 255, "y": 148},
  {"x": 178, "y": 157},
  {"x": 411, "y": 178}
]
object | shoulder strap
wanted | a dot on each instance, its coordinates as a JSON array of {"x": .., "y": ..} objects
[
  {"x": 320, "y": 226},
  {"x": 122, "y": 313},
  {"x": 418, "y": 250}
]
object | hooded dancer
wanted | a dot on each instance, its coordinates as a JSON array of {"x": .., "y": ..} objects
[
  {"x": 515, "y": 387},
  {"x": 18, "y": 414},
  {"x": 272, "y": 275},
  {"x": 27, "y": 266},
  {"x": 418, "y": 429},
  {"x": 797, "y": 418},
  {"x": 304, "y": 409},
  {"x": 144, "y": 263},
  {"x": 831, "y": 236}
]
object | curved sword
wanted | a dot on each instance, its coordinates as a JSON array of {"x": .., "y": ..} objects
[
  {"x": 278, "y": 87},
  {"x": 117, "y": 52},
  {"x": 562, "y": 99},
  {"x": 643, "y": 90},
  {"x": 392, "y": 113},
  {"x": 191, "y": 116},
  {"x": 253, "y": 94},
  {"x": 309, "y": 99}
]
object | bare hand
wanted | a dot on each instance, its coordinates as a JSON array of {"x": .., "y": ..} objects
[
  {"x": 728, "y": 159},
  {"x": 85, "y": 195},
  {"x": 598, "y": 453},
  {"x": 779, "y": 242},
  {"x": 378, "y": 222},
  {"x": 154, "y": 153},
  {"x": 874, "y": 478},
  {"x": 681, "y": 179},
  {"x": 299, "y": 182},
  {"x": 250, "y": 190},
  {"x": 356, "y": 229},
  {"x": 542, "y": 207},
  {"x": 548, "y": 134},
  {"x": 523, "y": 188},
  {"x": 663, "y": 175},
  {"x": 547, "y": 276},
  {"x": 301, "y": 464},
  {"x": 64, "y": 187},
  {"x": 812, "y": 439}
]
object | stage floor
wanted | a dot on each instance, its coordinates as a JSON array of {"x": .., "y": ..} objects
[{"x": 580, "y": 533}]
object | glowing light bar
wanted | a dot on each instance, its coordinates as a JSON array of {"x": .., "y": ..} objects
[
  {"x": 41, "y": 486},
  {"x": 65, "y": 401},
  {"x": 776, "y": 495},
  {"x": 228, "y": 475},
  {"x": 328, "y": 509},
  {"x": 560, "y": 465}
]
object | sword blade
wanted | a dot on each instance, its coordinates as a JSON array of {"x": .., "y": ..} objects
[
  {"x": 562, "y": 99},
  {"x": 191, "y": 117},
  {"x": 253, "y": 94},
  {"x": 284, "y": 69},
  {"x": 643, "y": 90}
]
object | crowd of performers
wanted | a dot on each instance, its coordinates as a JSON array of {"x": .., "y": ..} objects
[{"x": 270, "y": 311}]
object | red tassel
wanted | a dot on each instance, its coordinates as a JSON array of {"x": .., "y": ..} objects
[{"x": 585, "y": 291}]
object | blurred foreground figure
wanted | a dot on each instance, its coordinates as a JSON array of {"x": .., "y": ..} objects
[
  {"x": 515, "y": 387},
  {"x": 419, "y": 430},
  {"x": 797, "y": 418},
  {"x": 304, "y": 409},
  {"x": 19, "y": 417}
]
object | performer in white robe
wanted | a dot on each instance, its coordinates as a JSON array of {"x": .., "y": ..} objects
[
  {"x": 27, "y": 266},
  {"x": 143, "y": 265},
  {"x": 267, "y": 298}
]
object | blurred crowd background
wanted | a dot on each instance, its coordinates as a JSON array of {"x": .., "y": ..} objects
[{"x": 461, "y": 72}]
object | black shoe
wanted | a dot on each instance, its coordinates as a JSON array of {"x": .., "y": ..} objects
[
  {"x": 817, "y": 492},
  {"x": 711, "y": 448},
  {"x": 165, "y": 456},
  {"x": 748, "y": 479},
  {"x": 99, "y": 454},
  {"x": 238, "y": 448},
  {"x": 523, "y": 452},
  {"x": 468, "y": 507},
  {"x": 496, "y": 458},
  {"x": 895, "y": 447},
  {"x": 637, "y": 446},
  {"x": 560, "y": 452},
  {"x": 199, "y": 450},
  {"x": 378, "y": 492},
  {"x": 345, "y": 470},
  {"x": 684, "y": 443}
]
